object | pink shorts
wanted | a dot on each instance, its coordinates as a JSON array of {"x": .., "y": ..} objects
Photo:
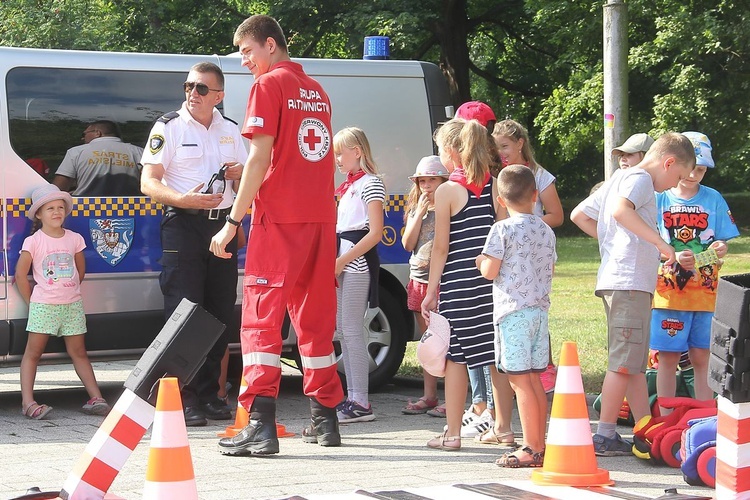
[{"x": 415, "y": 292}]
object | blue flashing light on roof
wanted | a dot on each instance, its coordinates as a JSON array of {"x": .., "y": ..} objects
[{"x": 377, "y": 48}]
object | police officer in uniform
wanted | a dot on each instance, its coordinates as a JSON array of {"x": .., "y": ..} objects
[{"x": 190, "y": 163}]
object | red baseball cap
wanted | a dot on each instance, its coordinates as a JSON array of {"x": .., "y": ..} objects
[{"x": 476, "y": 110}]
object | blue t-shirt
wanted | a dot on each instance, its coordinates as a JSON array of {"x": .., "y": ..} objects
[{"x": 691, "y": 225}]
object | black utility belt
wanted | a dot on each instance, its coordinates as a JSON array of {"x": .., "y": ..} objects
[{"x": 213, "y": 214}]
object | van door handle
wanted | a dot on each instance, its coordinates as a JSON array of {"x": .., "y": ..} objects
[{"x": 4, "y": 274}]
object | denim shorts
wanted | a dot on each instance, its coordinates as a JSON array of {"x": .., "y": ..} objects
[{"x": 60, "y": 320}]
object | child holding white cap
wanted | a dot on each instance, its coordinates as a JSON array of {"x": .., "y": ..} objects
[
  {"x": 55, "y": 255},
  {"x": 480, "y": 416},
  {"x": 633, "y": 150},
  {"x": 696, "y": 221},
  {"x": 419, "y": 231}
]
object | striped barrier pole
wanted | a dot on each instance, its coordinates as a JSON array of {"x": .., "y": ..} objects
[{"x": 733, "y": 451}]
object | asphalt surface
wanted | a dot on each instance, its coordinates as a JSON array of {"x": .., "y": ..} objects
[{"x": 386, "y": 454}]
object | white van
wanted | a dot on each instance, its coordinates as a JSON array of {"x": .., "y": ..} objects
[{"x": 48, "y": 96}]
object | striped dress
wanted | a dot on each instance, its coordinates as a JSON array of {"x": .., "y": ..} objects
[{"x": 465, "y": 295}]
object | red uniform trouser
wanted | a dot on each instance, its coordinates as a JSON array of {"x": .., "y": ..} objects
[{"x": 290, "y": 267}]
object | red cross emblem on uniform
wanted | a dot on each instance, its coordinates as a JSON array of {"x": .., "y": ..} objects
[{"x": 313, "y": 139}]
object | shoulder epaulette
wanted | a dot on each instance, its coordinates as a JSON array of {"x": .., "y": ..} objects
[
  {"x": 169, "y": 116},
  {"x": 226, "y": 118}
]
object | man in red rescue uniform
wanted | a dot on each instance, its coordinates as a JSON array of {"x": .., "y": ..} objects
[{"x": 291, "y": 249}]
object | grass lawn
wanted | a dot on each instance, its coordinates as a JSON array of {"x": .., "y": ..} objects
[{"x": 578, "y": 315}]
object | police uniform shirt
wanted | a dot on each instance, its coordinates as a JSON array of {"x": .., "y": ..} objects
[
  {"x": 190, "y": 153},
  {"x": 99, "y": 167}
]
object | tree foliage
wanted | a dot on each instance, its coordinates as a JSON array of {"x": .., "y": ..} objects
[{"x": 537, "y": 61}]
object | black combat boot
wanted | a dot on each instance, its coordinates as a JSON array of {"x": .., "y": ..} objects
[
  {"x": 324, "y": 426},
  {"x": 259, "y": 436}
]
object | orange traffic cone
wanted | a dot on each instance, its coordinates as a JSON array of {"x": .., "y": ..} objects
[
  {"x": 282, "y": 432},
  {"x": 242, "y": 418},
  {"x": 569, "y": 457},
  {"x": 170, "y": 466}
]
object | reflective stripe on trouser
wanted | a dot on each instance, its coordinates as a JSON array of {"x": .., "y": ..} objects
[{"x": 290, "y": 267}]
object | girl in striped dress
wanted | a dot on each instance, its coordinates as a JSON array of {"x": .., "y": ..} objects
[{"x": 465, "y": 209}]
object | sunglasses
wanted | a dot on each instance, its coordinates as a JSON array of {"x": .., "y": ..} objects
[
  {"x": 217, "y": 177},
  {"x": 202, "y": 88}
]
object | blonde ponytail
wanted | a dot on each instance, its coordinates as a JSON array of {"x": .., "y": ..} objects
[{"x": 475, "y": 152}]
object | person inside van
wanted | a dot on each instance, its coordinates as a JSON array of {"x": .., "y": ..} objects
[{"x": 103, "y": 166}]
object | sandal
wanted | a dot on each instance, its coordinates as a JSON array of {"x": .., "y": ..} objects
[
  {"x": 438, "y": 411},
  {"x": 445, "y": 442},
  {"x": 96, "y": 406},
  {"x": 527, "y": 459},
  {"x": 491, "y": 437},
  {"x": 422, "y": 405},
  {"x": 35, "y": 411}
]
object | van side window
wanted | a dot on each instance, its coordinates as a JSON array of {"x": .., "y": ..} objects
[{"x": 49, "y": 109}]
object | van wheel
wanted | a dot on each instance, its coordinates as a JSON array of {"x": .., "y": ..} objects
[{"x": 385, "y": 330}]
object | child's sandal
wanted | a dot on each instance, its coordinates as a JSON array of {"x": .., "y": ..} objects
[
  {"x": 491, "y": 437},
  {"x": 438, "y": 411},
  {"x": 525, "y": 457},
  {"x": 445, "y": 442},
  {"x": 422, "y": 405},
  {"x": 96, "y": 406},
  {"x": 35, "y": 411}
]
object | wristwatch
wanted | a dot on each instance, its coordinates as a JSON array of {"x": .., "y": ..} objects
[{"x": 232, "y": 221}]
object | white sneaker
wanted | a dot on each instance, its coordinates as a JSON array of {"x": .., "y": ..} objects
[
  {"x": 478, "y": 426},
  {"x": 468, "y": 418}
]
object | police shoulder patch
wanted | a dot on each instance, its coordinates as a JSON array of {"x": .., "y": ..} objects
[
  {"x": 155, "y": 143},
  {"x": 169, "y": 116}
]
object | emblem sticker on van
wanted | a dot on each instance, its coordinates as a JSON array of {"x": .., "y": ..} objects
[
  {"x": 112, "y": 238},
  {"x": 314, "y": 139},
  {"x": 155, "y": 143}
]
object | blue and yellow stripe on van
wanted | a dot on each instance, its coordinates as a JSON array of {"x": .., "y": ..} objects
[
  {"x": 96, "y": 207},
  {"x": 145, "y": 248}
]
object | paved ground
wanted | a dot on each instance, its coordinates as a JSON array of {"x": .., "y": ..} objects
[{"x": 386, "y": 454}]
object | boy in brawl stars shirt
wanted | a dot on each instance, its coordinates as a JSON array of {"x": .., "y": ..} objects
[
  {"x": 291, "y": 250},
  {"x": 696, "y": 221}
]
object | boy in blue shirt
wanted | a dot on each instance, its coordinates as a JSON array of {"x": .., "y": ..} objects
[{"x": 696, "y": 221}]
